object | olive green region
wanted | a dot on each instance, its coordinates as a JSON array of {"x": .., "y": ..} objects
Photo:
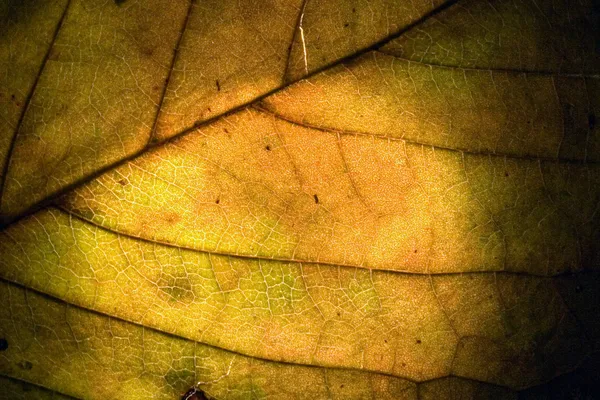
[
  {"x": 508, "y": 329},
  {"x": 14, "y": 389},
  {"x": 254, "y": 185},
  {"x": 93, "y": 356},
  {"x": 96, "y": 98},
  {"x": 27, "y": 28},
  {"x": 496, "y": 112},
  {"x": 528, "y": 35},
  {"x": 581, "y": 383}
]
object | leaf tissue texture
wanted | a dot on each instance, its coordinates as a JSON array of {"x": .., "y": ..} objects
[{"x": 301, "y": 199}]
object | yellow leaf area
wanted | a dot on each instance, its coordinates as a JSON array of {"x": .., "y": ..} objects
[{"x": 299, "y": 199}]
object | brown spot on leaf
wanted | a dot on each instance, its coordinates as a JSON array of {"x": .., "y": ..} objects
[
  {"x": 268, "y": 148},
  {"x": 418, "y": 341},
  {"x": 217, "y": 201},
  {"x": 218, "y": 85},
  {"x": 316, "y": 198},
  {"x": 26, "y": 365},
  {"x": 148, "y": 51}
]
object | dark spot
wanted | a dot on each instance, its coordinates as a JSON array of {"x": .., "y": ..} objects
[
  {"x": 268, "y": 148},
  {"x": 416, "y": 251},
  {"x": 418, "y": 341},
  {"x": 346, "y": 25},
  {"x": 180, "y": 379},
  {"x": 384, "y": 340},
  {"x": 592, "y": 121},
  {"x": 208, "y": 109},
  {"x": 338, "y": 314},
  {"x": 316, "y": 198},
  {"x": 176, "y": 289},
  {"x": 505, "y": 173},
  {"x": 26, "y": 365},
  {"x": 342, "y": 386},
  {"x": 225, "y": 130},
  {"x": 12, "y": 97},
  {"x": 3, "y": 344},
  {"x": 353, "y": 9},
  {"x": 122, "y": 182},
  {"x": 404, "y": 364},
  {"x": 217, "y": 201},
  {"x": 194, "y": 394},
  {"x": 119, "y": 2},
  {"x": 155, "y": 88},
  {"x": 218, "y": 85},
  {"x": 147, "y": 51}
]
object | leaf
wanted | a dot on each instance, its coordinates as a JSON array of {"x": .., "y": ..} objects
[{"x": 299, "y": 199}]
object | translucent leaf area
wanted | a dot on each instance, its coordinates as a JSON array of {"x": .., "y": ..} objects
[{"x": 299, "y": 199}]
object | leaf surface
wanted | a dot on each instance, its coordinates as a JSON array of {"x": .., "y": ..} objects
[{"x": 380, "y": 199}]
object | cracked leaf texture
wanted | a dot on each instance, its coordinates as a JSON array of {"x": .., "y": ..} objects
[{"x": 299, "y": 199}]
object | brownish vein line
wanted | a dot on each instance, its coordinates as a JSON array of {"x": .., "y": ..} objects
[
  {"x": 295, "y": 261},
  {"x": 28, "y": 102},
  {"x": 493, "y": 69},
  {"x": 6, "y": 220},
  {"x": 174, "y": 59},
  {"x": 325, "y": 67},
  {"x": 264, "y": 109}
]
